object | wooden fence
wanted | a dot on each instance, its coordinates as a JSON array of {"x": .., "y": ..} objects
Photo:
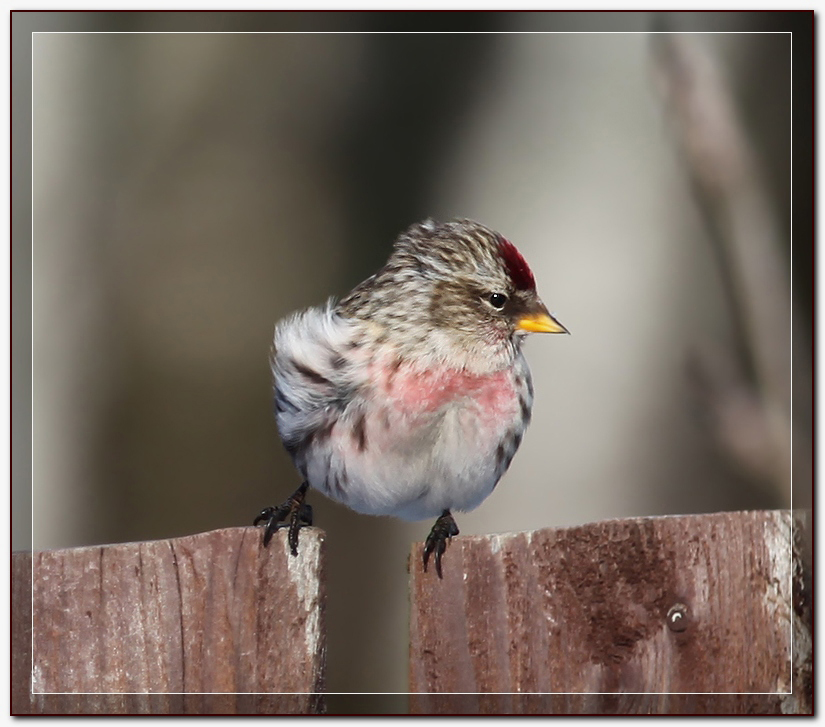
[{"x": 692, "y": 614}]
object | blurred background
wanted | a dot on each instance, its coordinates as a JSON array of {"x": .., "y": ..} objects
[{"x": 188, "y": 190}]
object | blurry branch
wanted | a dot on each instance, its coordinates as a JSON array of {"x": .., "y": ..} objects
[
  {"x": 732, "y": 409},
  {"x": 751, "y": 420}
]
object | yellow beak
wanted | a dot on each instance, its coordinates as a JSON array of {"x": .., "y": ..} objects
[{"x": 540, "y": 323}]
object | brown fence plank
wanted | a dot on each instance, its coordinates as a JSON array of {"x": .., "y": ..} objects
[
  {"x": 209, "y": 623},
  {"x": 583, "y": 613}
]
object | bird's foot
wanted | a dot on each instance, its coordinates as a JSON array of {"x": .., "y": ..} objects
[
  {"x": 436, "y": 542},
  {"x": 294, "y": 514}
]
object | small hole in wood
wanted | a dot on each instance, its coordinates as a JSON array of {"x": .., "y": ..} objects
[{"x": 677, "y": 617}]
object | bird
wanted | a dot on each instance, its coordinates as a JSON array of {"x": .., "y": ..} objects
[{"x": 410, "y": 396}]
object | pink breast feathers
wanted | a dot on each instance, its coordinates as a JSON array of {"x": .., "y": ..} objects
[{"x": 427, "y": 391}]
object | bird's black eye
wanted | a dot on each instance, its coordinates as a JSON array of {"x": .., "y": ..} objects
[{"x": 497, "y": 300}]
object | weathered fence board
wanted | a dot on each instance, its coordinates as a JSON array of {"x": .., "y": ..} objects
[
  {"x": 615, "y": 617},
  {"x": 210, "y": 623},
  {"x": 625, "y": 616}
]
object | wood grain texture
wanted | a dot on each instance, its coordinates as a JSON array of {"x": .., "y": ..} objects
[
  {"x": 582, "y": 613},
  {"x": 209, "y": 623}
]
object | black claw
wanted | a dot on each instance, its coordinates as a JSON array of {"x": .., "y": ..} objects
[
  {"x": 271, "y": 526},
  {"x": 444, "y": 529},
  {"x": 265, "y": 514},
  {"x": 294, "y": 514},
  {"x": 271, "y": 517}
]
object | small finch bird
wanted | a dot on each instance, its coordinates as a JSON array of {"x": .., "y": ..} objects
[{"x": 410, "y": 396}]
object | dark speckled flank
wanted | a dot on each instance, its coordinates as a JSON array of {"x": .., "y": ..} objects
[
  {"x": 524, "y": 386},
  {"x": 359, "y": 433},
  {"x": 336, "y": 482},
  {"x": 283, "y": 403},
  {"x": 304, "y": 441},
  {"x": 526, "y": 412},
  {"x": 311, "y": 374},
  {"x": 335, "y": 393},
  {"x": 507, "y": 449},
  {"x": 298, "y": 445}
]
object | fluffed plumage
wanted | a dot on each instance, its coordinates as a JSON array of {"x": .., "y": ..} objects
[{"x": 411, "y": 396}]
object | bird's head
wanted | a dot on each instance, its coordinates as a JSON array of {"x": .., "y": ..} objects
[{"x": 457, "y": 288}]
